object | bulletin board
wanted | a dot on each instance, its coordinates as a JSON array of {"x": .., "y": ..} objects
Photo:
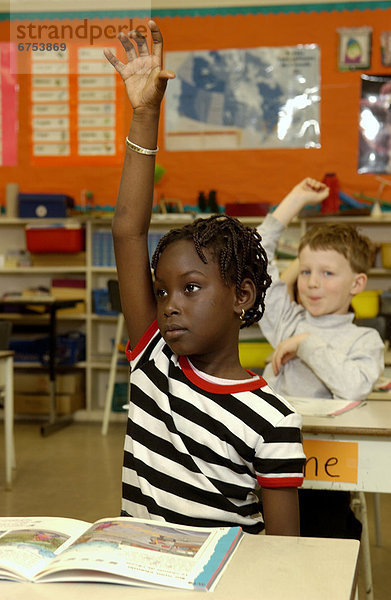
[
  {"x": 245, "y": 175},
  {"x": 8, "y": 106},
  {"x": 75, "y": 113}
]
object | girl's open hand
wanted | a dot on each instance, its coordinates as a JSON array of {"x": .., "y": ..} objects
[{"x": 145, "y": 80}]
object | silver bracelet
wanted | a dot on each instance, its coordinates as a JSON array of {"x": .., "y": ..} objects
[{"x": 140, "y": 149}]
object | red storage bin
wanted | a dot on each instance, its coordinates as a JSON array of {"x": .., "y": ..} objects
[{"x": 67, "y": 239}]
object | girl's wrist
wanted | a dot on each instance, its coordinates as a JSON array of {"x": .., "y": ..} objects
[
  {"x": 144, "y": 128},
  {"x": 143, "y": 114}
]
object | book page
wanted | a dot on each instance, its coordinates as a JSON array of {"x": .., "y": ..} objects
[
  {"x": 322, "y": 407},
  {"x": 27, "y": 544},
  {"x": 139, "y": 552}
]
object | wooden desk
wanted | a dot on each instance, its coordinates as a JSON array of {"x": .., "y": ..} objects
[
  {"x": 6, "y": 357},
  {"x": 351, "y": 451},
  {"x": 263, "y": 567},
  {"x": 379, "y": 396},
  {"x": 369, "y": 428}
]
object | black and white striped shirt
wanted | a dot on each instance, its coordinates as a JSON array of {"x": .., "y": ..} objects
[{"x": 196, "y": 446}]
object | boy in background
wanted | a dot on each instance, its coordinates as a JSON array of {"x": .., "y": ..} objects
[{"x": 319, "y": 351}]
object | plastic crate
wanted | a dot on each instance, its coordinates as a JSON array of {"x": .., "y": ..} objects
[
  {"x": 70, "y": 348},
  {"x": 253, "y": 353},
  {"x": 103, "y": 249},
  {"x": 247, "y": 209},
  {"x": 101, "y": 302},
  {"x": 120, "y": 397},
  {"x": 68, "y": 239},
  {"x": 25, "y": 350},
  {"x": 44, "y": 205}
]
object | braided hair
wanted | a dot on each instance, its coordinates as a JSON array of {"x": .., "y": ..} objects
[{"x": 236, "y": 248}]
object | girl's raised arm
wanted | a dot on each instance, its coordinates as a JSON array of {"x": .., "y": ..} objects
[{"x": 145, "y": 82}]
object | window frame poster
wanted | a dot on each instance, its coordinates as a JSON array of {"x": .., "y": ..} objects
[
  {"x": 374, "y": 154},
  {"x": 76, "y": 108},
  {"x": 248, "y": 98},
  {"x": 9, "y": 105}
]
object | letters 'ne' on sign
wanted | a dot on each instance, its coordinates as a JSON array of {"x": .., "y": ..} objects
[{"x": 331, "y": 461}]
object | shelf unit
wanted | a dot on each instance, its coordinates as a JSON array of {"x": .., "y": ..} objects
[{"x": 100, "y": 329}]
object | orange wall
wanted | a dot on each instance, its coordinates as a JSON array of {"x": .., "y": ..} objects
[{"x": 247, "y": 175}]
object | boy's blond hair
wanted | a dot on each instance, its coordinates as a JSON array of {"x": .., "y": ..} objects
[{"x": 358, "y": 249}]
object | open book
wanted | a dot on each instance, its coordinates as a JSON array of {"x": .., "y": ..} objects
[
  {"x": 322, "y": 407},
  {"x": 120, "y": 550}
]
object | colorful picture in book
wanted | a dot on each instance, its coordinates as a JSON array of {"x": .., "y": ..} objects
[
  {"x": 375, "y": 124},
  {"x": 43, "y": 541},
  {"x": 141, "y": 535},
  {"x": 354, "y": 51}
]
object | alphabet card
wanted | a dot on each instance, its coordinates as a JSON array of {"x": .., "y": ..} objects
[{"x": 331, "y": 461}]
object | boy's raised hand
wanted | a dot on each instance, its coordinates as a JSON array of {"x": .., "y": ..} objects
[
  {"x": 145, "y": 80},
  {"x": 308, "y": 191},
  {"x": 311, "y": 190}
]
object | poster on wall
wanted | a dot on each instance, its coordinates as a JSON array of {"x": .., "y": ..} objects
[
  {"x": 9, "y": 106},
  {"x": 75, "y": 97},
  {"x": 243, "y": 98},
  {"x": 355, "y": 48},
  {"x": 375, "y": 124},
  {"x": 385, "y": 47},
  {"x": 75, "y": 107}
]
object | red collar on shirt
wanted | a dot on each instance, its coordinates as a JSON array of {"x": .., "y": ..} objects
[{"x": 189, "y": 372}]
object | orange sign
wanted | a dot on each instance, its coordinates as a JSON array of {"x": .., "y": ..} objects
[{"x": 331, "y": 461}]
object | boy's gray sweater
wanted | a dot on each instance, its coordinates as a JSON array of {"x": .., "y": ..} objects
[{"x": 338, "y": 359}]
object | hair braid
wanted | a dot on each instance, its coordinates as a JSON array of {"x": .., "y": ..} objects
[{"x": 237, "y": 250}]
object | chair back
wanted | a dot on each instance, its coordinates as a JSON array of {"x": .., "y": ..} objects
[
  {"x": 114, "y": 296},
  {"x": 379, "y": 323}
]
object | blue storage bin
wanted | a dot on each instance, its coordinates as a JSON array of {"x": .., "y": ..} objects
[
  {"x": 101, "y": 302},
  {"x": 49, "y": 206},
  {"x": 25, "y": 350},
  {"x": 70, "y": 348},
  {"x": 103, "y": 249}
]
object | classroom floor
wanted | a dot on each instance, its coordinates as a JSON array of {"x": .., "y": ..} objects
[{"x": 76, "y": 472}]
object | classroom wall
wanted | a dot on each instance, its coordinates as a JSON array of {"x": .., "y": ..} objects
[{"x": 244, "y": 175}]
